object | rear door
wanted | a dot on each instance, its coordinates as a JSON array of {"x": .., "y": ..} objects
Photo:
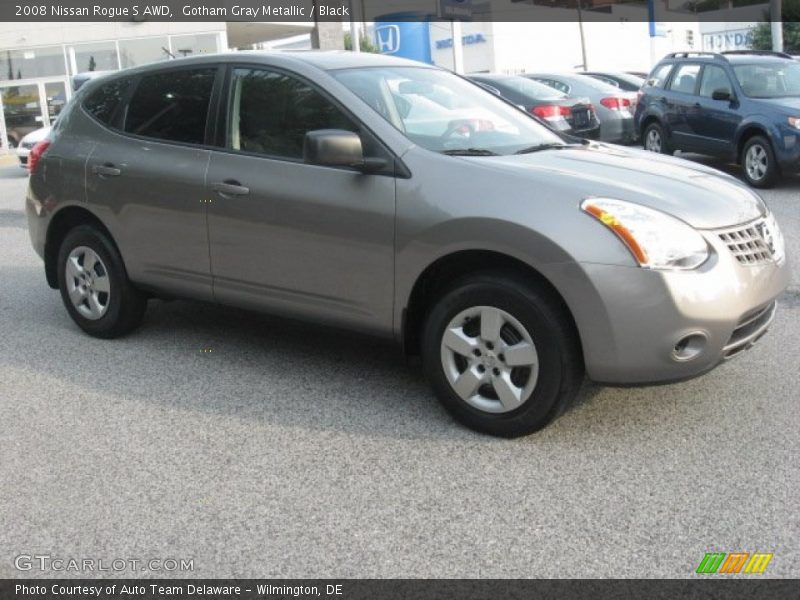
[
  {"x": 148, "y": 179},
  {"x": 681, "y": 98},
  {"x": 294, "y": 238}
]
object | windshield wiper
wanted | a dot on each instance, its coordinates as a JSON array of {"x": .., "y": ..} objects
[
  {"x": 538, "y": 147},
  {"x": 469, "y": 152}
]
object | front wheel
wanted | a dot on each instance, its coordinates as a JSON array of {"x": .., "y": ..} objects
[
  {"x": 501, "y": 355},
  {"x": 94, "y": 285},
  {"x": 759, "y": 164}
]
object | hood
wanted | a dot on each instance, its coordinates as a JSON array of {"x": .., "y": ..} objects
[
  {"x": 36, "y": 136},
  {"x": 791, "y": 103},
  {"x": 703, "y": 197}
]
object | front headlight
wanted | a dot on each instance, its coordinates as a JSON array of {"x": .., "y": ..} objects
[
  {"x": 773, "y": 237},
  {"x": 655, "y": 239}
]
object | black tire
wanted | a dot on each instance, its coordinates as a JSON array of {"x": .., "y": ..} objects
[
  {"x": 560, "y": 360},
  {"x": 771, "y": 171},
  {"x": 125, "y": 304},
  {"x": 655, "y": 131}
]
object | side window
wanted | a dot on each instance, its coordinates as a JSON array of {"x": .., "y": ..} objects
[
  {"x": 658, "y": 77},
  {"x": 172, "y": 105},
  {"x": 103, "y": 102},
  {"x": 271, "y": 113},
  {"x": 685, "y": 79},
  {"x": 714, "y": 78}
]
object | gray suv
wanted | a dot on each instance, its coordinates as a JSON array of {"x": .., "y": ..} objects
[{"x": 401, "y": 200}]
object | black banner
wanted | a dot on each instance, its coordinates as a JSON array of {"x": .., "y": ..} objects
[
  {"x": 733, "y": 588},
  {"x": 396, "y": 10}
]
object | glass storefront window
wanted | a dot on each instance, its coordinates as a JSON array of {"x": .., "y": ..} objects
[
  {"x": 33, "y": 62},
  {"x": 189, "y": 45},
  {"x": 142, "y": 51},
  {"x": 94, "y": 57},
  {"x": 22, "y": 110}
]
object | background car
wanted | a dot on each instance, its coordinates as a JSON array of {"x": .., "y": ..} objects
[
  {"x": 744, "y": 107},
  {"x": 620, "y": 79},
  {"x": 570, "y": 115},
  {"x": 23, "y": 150},
  {"x": 614, "y": 107}
]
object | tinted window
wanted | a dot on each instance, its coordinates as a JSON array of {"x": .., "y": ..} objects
[
  {"x": 172, "y": 105},
  {"x": 272, "y": 112},
  {"x": 104, "y": 101},
  {"x": 685, "y": 79},
  {"x": 659, "y": 76},
  {"x": 714, "y": 78}
]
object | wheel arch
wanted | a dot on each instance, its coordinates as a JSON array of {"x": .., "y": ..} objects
[
  {"x": 60, "y": 225},
  {"x": 439, "y": 276},
  {"x": 747, "y": 131}
]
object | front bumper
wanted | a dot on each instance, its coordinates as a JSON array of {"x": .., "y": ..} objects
[{"x": 641, "y": 326}]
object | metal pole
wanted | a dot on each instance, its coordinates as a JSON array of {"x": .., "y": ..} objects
[
  {"x": 776, "y": 20},
  {"x": 458, "y": 48},
  {"x": 355, "y": 34},
  {"x": 583, "y": 40}
]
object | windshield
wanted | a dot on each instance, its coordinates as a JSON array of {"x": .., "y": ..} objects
[
  {"x": 444, "y": 113},
  {"x": 777, "y": 80}
]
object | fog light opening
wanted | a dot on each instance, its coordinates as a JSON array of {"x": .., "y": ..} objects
[{"x": 689, "y": 347}]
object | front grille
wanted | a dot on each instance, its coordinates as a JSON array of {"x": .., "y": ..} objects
[
  {"x": 749, "y": 330},
  {"x": 581, "y": 117},
  {"x": 747, "y": 243},
  {"x": 27, "y": 145}
]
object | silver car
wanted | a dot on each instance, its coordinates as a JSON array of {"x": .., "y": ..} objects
[
  {"x": 400, "y": 200},
  {"x": 615, "y": 107}
]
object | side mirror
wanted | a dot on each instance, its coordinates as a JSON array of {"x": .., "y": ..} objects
[
  {"x": 721, "y": 94},
  {"x": 338, "y": 148}
]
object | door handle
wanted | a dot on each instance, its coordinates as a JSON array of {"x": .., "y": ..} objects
[
  {"x": 230, "y": 187},
  {"x": 106, "y": 170}
]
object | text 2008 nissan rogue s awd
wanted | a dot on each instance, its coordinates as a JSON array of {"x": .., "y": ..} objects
[{"x": 398, "y": 199}]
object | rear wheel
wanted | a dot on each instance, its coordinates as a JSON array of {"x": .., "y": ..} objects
[
  {"x": 758, "y": 162},
  {"x": 502, "y": 356},
  {"x": 654, "y": 139},
  {"x": 94, "y": 285}
]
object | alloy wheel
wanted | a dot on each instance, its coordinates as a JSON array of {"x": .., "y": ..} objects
[
  {"x": 489, "y": 359},
  {"x": 653, "y": 141},
  {"x": 756, "y": 162},
  {"x": 88, "y": 284}
]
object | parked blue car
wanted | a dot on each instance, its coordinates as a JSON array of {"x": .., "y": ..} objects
[{"x": 742, "y": 106}]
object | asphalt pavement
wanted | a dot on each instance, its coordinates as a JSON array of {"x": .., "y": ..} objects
[{"x": 293, "y": 451}]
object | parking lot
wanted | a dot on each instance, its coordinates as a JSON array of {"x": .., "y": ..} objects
[{"x": 266, "y": 448}]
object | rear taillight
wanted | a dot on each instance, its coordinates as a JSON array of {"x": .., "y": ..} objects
[
  {"x": 551, "y": 111},
  {"x": 615, "y": 103},
  {"x": 36, "y": 153}
]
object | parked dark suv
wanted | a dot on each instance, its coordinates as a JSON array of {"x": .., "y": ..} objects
[{"x": 742, "y": 106}]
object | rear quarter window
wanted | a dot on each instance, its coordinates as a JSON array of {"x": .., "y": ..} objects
[{"x": 103, "y": 103}]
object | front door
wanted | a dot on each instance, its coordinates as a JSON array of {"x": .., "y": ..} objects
[
  {"x": 717, "y": 120},
  {"x": 289, "y": 237}
]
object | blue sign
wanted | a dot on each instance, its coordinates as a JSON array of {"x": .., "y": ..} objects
[
  {"x": 406, "y": 39},
  {"x": 467, "y": 40}
]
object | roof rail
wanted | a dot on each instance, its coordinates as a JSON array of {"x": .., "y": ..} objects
[
  {"x": 760, "y": 53},
  {"x": 688, "y": 54}
]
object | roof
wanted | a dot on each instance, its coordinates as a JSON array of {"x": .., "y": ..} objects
[{"x": 322, "y": 59}]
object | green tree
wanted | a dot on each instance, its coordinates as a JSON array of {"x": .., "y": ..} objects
[
  {"x": 762, "y": 33},
  {"x": 367, "y": 45}
]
